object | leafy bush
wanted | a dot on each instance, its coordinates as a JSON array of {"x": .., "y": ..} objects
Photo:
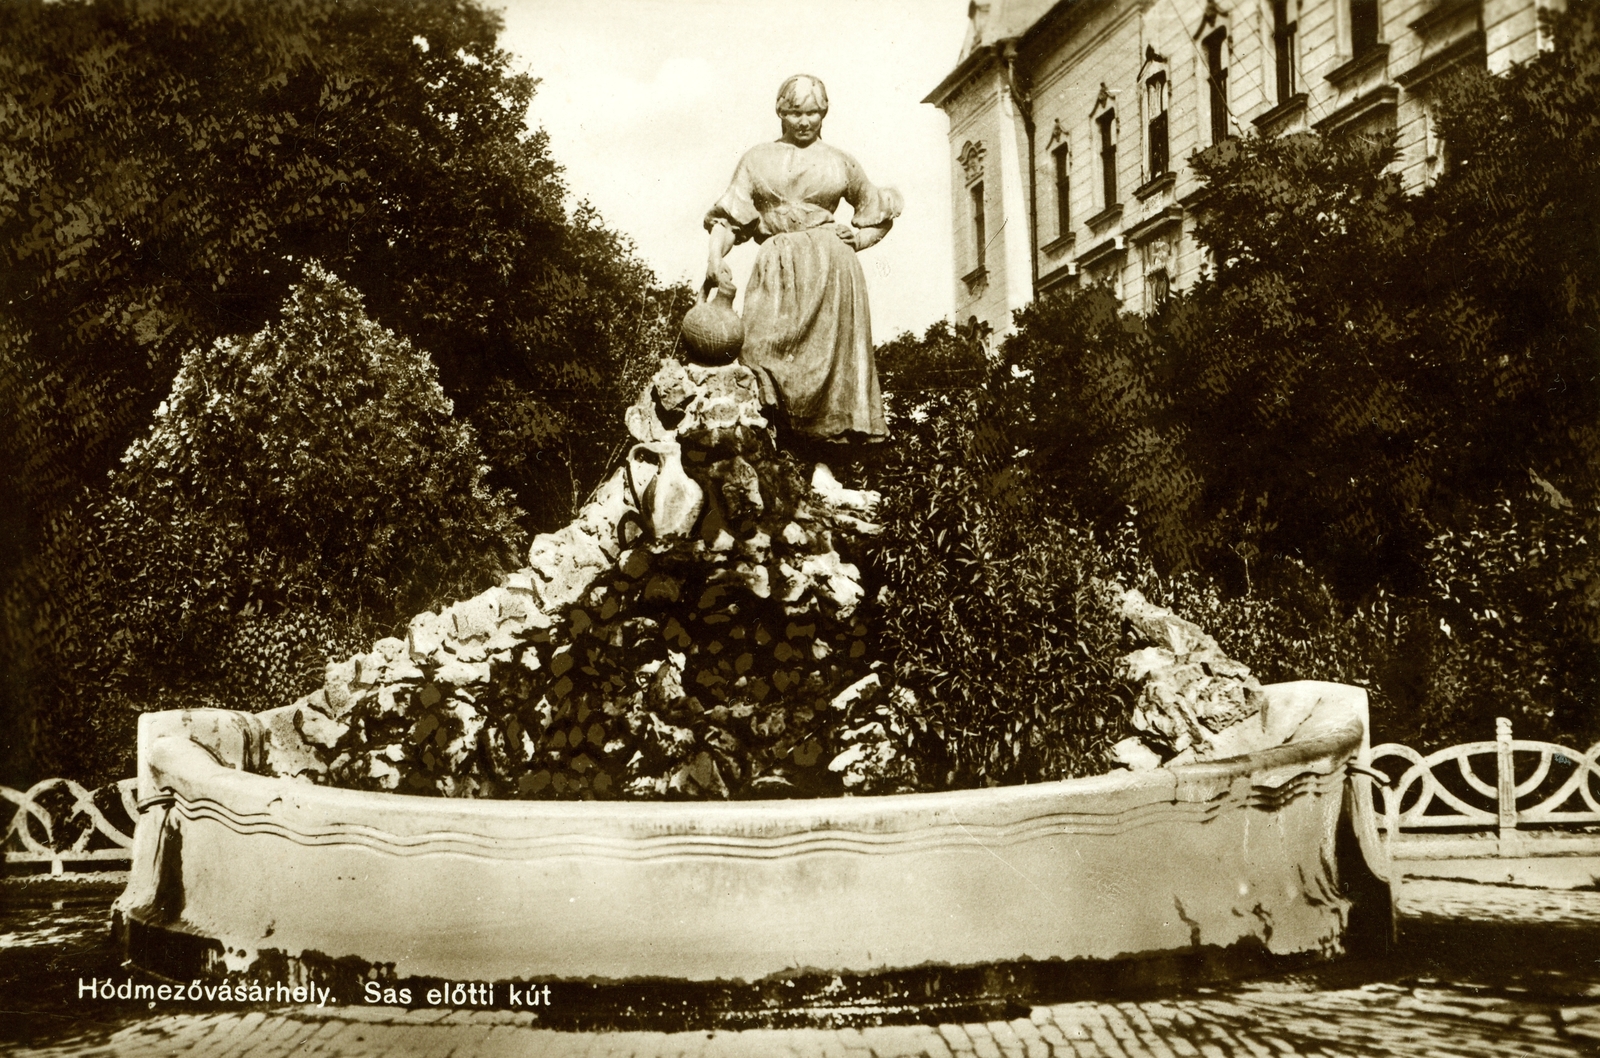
[
  {"x": 168, "y": 164},
  {"x": 997, "y": 605},
  {"x": 298, "y": 490}
]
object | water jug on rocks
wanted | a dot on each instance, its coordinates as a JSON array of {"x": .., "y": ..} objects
[
  {"x": 667, "y": 496},
  {"x": 712, "y": 331}
]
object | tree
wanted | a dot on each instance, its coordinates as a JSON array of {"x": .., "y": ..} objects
[
  {"x": 166, "y": 165},
  {"x": 298, "y": 491}
]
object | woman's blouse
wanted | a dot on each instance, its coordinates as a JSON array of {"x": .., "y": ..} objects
[{"x": 779, "y": 187}]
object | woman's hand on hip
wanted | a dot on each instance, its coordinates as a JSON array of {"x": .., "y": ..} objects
[{"x": 860, "y": 239}]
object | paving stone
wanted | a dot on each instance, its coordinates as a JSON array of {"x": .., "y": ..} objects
[
  {"x": 957, "y": 1038},
  {"x": 906, "y": 1041},
  {"x": 1148, "y": 1038},
  {"x": 1034, "y": 1045},
  {"x": 1583, "y": 1021},
  {"x": 983, "y": 1044}
]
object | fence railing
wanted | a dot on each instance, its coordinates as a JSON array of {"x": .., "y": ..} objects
[
  {"x": 57, "y": 821},
  {"x": 1513, "y": 788}
]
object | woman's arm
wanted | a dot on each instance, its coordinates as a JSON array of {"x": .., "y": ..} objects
[
  {"x": 718, "y": 274},
  {"x": 875, "y": 209},
  {"x": 862, "y": 238}
]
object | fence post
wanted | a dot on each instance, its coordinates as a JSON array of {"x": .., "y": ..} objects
[
  {"x": 1506, "y": 788},
  {"x": 1391, "y": 819}
]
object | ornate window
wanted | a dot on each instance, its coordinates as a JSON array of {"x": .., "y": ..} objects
[
  {"x": 971, "y": 159},
  {"x": 1216, "y": 53},
  {"x": 1155, "y": 103},
  {"x": 1107, "y": 122},
  {"x": 1283, "y": 44},
  {"x": 1063, "y": 169}
]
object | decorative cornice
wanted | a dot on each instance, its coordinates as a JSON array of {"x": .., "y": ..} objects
[
  {"x": 1471, "y": 49},
  {"x": 1165, "y": 182},
  {"x": 1058, "y": 277},
  {"x": 1344, "y": 73},
  {"x": 1061, "y": 242},
  {"x": 1281, "y": 114},
  {"x": 1102, "y": 252},
  {"x": 1153, "y": 226},
  {"x": 1106, "y": 216},
  {"x": 1384, "y": 97},
  {"x": 954, "y": 79},
  {"x": 1445, "y": 11}
]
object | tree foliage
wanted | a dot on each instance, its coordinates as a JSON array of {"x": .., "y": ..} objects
[
  {"x": 997, "y": 610},
  {"x": 297, "y": 491},
  {"x": 166, "y": 165}
]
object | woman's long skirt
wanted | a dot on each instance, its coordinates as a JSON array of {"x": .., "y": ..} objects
[{"x": 807, "y": 327}]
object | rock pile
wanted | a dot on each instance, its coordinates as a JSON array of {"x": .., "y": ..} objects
[
  {"x": 694, "y": 632},
  {"x": 1194, "y": 701}
]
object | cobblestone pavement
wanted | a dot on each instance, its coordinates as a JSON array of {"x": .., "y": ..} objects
[{"x": 1482, "y": 970}]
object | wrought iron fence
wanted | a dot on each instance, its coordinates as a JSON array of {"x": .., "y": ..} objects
[
  {"x": 58, "y": 821},
  {"x": 1511, "y": 787}
]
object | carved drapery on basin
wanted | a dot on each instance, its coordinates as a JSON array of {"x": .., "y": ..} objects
[{"x": 273, "y": 872}]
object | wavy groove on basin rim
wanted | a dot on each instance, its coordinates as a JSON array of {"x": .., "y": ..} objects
[{"x": 1128, "y": 864}]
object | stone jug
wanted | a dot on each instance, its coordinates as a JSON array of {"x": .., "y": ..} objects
[
  {"x": 712, "y": 331},
  {"x": 665, "y": 494}
]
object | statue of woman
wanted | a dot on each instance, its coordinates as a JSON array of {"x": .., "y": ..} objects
[{"x": 807, "y": 329}]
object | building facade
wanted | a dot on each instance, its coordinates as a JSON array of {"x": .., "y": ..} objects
[{"x": 1071, "y": 121}]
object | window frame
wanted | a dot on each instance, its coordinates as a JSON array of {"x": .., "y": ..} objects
[
  {"x": 1158, "y": 125},
  {"x": 1366, "y": 28},
  {"x": 1285, "y": 33},
  {"x": 979, "y": 219},
  {"x": 1062, "y": 160},
  {"x": 1215, "y": 46},
  {"x": 1106, "y": 120}
]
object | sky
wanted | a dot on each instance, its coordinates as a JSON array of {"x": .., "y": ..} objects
[{"x": 650, "y": 103}]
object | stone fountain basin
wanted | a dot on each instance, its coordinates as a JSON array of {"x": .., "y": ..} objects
[{"x": 1239, "y": 852}]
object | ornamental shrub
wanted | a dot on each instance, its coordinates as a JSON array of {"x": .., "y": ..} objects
[
  {"x": 298, "y": 491},
  {"x": 997, "y": 602}
]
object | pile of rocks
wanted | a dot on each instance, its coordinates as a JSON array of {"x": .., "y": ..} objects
[
  {"x": 693, "y": 632},
  {"x": 1194, "y": 702}
]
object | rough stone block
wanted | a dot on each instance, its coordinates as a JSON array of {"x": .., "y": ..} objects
[
  {"x": 1163, "y": 628},
  {"x": 338, "y": 678},
  {"x": 475, "y": 618},
  {"x": 463, "y": 673},
  {"x": 1134, "y": 755},
  {"x": 425, "y": 635},
  {"x": 513, "y": 606},
  {"x": 643, "y": 424},
  {"x": 369, "y": 668},
  {"x": 672, "y": 386},
  {"x": 317, "y": 728}
]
